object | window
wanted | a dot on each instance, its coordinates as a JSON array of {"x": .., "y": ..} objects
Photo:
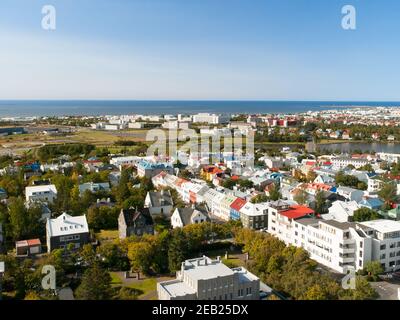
[
  {"x": 392, "y": 245},
  {"x": 383, "y": 246},
  {"x": 383, "y": 256}
]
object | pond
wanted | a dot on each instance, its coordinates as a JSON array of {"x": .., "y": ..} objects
[{"x": 364, "y": 147}]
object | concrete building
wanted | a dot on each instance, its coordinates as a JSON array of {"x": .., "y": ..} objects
[
  {"x": 150, "y": 169},
  {"x": 343, "y": 162},
  {"x": 207, "y": 279}
]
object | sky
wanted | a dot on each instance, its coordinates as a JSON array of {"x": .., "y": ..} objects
[{"x": 200, "y": 50}]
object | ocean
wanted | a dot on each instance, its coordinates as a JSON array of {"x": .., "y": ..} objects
[{"x": 29, "y": 108}]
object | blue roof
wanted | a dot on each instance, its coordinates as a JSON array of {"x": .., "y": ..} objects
[
  {"x": 150, "y": 165},
  {"x": 371, "y": 202}
]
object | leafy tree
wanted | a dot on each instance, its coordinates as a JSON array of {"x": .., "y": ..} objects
[
  {"x": 140, "y": 256},
  {"x": 95, "y": 285},
  {"x": 365, "y": 214},
  {"x": 320, "y": 202},
  {"x": 373, "y": 269},
  {"x": 388, "y": 193},
  {"x": 274, "y": 193},
  {"x": 260, "y": 198},
  {"x": 301, "y": 196},
  {"x": 177, "y": 250}
]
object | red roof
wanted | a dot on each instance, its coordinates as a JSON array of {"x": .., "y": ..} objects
[
  {"x": 297, "y": 211},
  {"x": 310, "y": 163},
  {"x": 238, "y": 204},
  {"x": 235, "y": 177},
  {"x": 34, "y": 242}
]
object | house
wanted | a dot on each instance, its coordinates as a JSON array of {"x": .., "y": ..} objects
[
  {"x": 135, "y": 222},
  {"x": 67, "y": 230},
  {"x": 350, "y": 193},
  {"x": 150, "y": 169},
  {"x": 46, "y": 193},
  {"x": 26, "y": 248},
  {"x": 391, "y": 137},
  {"x": 254, "y": 215},
  {"x": 159, "y": 203},
  {"x": 371, "y": 203},
  {"x": 346, "y": 135},
  {"x": 235, "y": 208},
  {"x": 209, "y": 173},
  {"x": 375, "y": 184},
  {"x": 343, "y": 162},
  {"x": 94, "y": 187},
  {"x": 341, "y": 211},
  {"x": 185, "y": 216},
  {"x": 207, "y": 279},
  {"x": 375, "y": 136},
  {"x": 325, "y": 179}
]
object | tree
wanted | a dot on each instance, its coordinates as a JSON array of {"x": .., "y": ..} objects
[
  {"x": 373, "y": 269},
  {"x": 259, "y": 198},
  {"x": 365, "y": 214},
  {"x": 319, "y": 202},
  {"x": 301, "y": 196},
  {"x": 177, "y": 250},
  {"x": 388, "y": 193},
  {"x": 95, "y": 285},
  {"x": 274, "y": 193},
  {"x": 123, "y": 189},
  {"x": 140, "y": 256},
  {"x": 311, "y": 175}
]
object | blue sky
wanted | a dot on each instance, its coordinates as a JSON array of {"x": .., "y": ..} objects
[{"x": 200, "y": 49}]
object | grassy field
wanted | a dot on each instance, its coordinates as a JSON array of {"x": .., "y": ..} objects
[
  {"x": 107, "y": 235},
  {"x": 147, "y": 286},
  {"x": 115, "y": 278}
]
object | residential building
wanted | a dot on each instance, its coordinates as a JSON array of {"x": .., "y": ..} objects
[
  {"x": 350, "y": 194},
  {"x": 343, "y": 162},
  {"x": 235, "y": 208},
  {"x": 185, "y": 216},
  {"x": 26, "y": 248},
  {"x": 371, "y": 203},
  {"x": 150, "y": 169},
  {"x": 65, "y": 230},
  {"x": 46, "y": 193},
  {"x": 159, "y": 203},
  {"x": 94, "y": 187},
  {"x": 254, "y": 215},
  {"x": 210, "y": 118},
  {"x": 135, "y": 222},
  {"x": 207, "y": 279},
  {"x": 341, "y": 211}
]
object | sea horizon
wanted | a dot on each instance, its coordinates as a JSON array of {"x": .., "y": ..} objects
[{"x": 92, "y": 107}]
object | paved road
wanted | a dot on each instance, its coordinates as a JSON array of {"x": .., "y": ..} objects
[{"x": 386, "y": 290}]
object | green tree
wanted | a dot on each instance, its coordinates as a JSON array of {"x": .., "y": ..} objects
[
  {"x": 95, "y": 285},
  {"x": 320, "y": 202},
  {"x": 301, "y": 196},
  {"x": 365, "y": 214},
  {"x": 274, "y": 193},
  {"x": 388, "y": 193},
  {"x": 373, "y": 270}
]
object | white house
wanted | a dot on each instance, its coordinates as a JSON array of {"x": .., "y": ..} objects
[
  {"x": 350, "y": 193},
  {"x": 185, "y": 216},
  {"x": 341, "y": 211},
  {"x": 42, "y": 193}
]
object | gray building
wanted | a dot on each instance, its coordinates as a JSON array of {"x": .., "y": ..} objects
[
  {"x": 207, "y": 279},
  {"x": 135, "y": 222}
]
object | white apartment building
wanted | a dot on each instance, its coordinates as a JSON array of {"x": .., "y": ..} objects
[
  {"x": 210, "y": 118},
  {"x": 207, "y": 279},
  {"x": 340, "y": 245},
  {"x": 45, "y": 193},
  {"x": 343, "y": 162}
]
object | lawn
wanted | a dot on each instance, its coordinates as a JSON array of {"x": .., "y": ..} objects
[
  {"x": 107, "y": 235},
  {"x": 146, "y": 286},
  {"x": 115, "y": 278}
]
